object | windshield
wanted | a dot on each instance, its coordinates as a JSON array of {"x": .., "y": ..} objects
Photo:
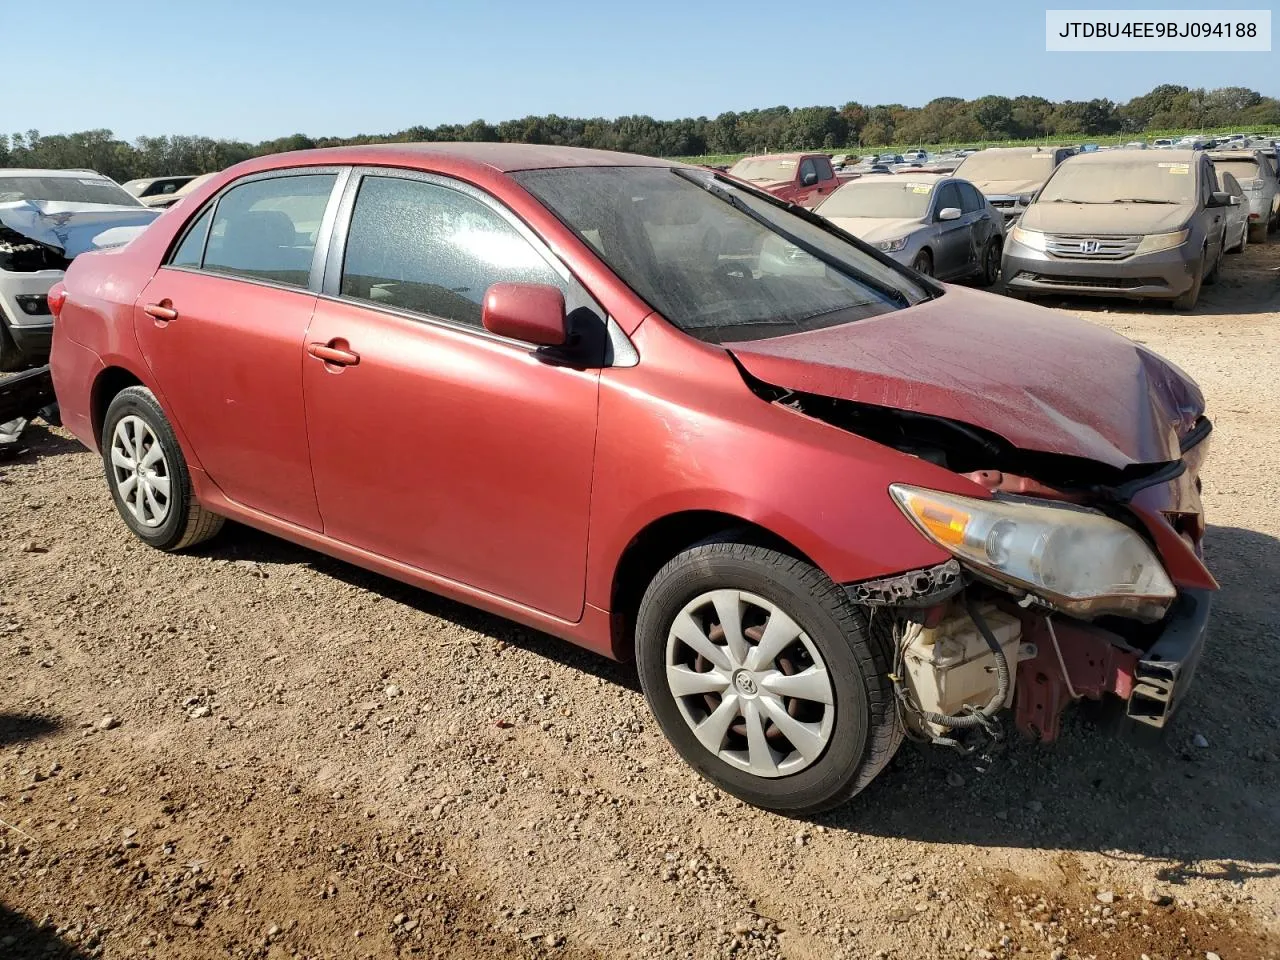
[
  {"x": 1141, "y": 179},
  {"x": 763, "y": 169},
  {"x": 719, "y": 263},
  {"x": 894, "y": 199},
  {"x": 86, "y": 189},
  {"x": 1001, "y": 165},
  {"x": 1242, "y": 169}
]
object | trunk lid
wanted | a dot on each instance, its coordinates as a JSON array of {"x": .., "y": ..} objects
[{"x": 1041, "y": 379}]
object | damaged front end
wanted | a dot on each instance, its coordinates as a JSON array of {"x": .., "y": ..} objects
[{"x": 1075, "y": 579}]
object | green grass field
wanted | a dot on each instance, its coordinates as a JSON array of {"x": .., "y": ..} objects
[{"x": 717, "y": 159}]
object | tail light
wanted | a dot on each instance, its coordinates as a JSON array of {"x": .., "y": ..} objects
[{"x": 57, "y": 297}]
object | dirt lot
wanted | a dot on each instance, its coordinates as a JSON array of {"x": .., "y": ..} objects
[{"x": 252, "y": 750}]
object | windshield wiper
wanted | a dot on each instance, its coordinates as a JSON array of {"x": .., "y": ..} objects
[
  {"x": 1065, "y": 200},
  {"x": 1140, "y": 200},
  {"x": 715, "y": 189}
]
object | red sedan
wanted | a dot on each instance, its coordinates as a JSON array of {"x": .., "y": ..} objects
[{"x": 823, "y": 500}]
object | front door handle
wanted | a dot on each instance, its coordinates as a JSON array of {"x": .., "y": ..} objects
[
  {"x": 162, "y": 311},
  {"x": 334, "y": 352}
]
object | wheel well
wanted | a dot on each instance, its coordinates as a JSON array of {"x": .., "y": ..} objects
[
  {"x": 657, "y": 543},
  {"x": 110, "y": 382}
]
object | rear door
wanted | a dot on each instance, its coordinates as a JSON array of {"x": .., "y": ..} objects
[
  {"x": 953, "y": 242},
  {"x": 440, "y": 445},
  {"x": 222, "y": 323}
]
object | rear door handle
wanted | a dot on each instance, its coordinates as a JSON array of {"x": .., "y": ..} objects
[
  {"x": 161, "y": 311},
  {"x": 334, "y": 352}
]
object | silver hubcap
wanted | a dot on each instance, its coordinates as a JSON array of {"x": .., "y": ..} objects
[
  {"x": 140, "y": 471},
  {"x": 750, "y": 683}
]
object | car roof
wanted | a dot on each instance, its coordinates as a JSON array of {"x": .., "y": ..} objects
[
  {"x": 906, "y": 176},
  {"x": 38, "y": 172},
  {"x": 758, "y": 156},
  {"x": 1044, "y": 148},
  {"x": 1111, "y": 156},
  {"x": 500, "y": 157}
]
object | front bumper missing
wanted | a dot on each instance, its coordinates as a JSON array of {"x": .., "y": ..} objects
[{"x": 1163, "y": 674}]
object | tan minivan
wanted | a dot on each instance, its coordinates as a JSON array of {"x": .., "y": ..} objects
[{"x": 1122, "y": 223}]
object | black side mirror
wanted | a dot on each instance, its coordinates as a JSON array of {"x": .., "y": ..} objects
[
  {"x": 808, "y": 180},
  {"x": 1219, "y": 198}
]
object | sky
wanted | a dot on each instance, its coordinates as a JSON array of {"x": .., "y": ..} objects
[{"x": 259, "y": 70}]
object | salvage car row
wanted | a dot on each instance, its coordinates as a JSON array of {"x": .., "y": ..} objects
[
  {"x": 1119, "y": 223},
  {"x": 824, "y": 500}
]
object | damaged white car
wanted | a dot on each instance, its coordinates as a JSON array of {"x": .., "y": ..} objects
[{"x": 47, "y": 218}]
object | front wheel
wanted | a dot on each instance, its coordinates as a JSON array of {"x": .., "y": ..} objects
[
  {"x": 1188, "y": 300},
  {"x": 923, "y": 263},
  {"x": 764, "y": 678},
  {"x": 990, "y": 271},
  {"x": 148, "y": 476}
]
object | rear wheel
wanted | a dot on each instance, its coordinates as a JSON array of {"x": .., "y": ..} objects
[
  {"x": 1257, "y": 232},
  {"x": 148, "y": 476},
  {"x": 923, "y": 263},
  {"x": 762, "y": 675},
  {"x": 1244, "y": 238}
]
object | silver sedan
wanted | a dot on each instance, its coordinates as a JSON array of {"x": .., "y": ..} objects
[{"x": 941, "y": 226}]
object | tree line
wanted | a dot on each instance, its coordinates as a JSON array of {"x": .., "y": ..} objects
[{"x": 944, "y": 120}]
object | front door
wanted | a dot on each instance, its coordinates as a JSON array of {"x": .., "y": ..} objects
[
  {"x": 433, "y": 442},
  {"x": 953, "y": 242},
  {"x": 221, "y": 325}
]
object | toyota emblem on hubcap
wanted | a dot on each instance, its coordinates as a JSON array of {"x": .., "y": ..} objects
[{"x": 745, "y": 683}]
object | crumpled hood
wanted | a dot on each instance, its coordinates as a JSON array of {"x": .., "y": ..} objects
[
  {"x": 1097, "y": 219},
  {"x": 1007, "y": 188},
  {"x": 72, "y": 228},
  {"x": 876, "y": 229},
  {"x": 1040, "y": 378}
]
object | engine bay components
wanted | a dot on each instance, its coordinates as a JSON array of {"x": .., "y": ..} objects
[{"x": 950, "y": 670}]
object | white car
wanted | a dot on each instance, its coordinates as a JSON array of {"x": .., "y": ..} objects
[
  {"x": 47, "y": 218},
  {"x": 1257, "y": 177}
]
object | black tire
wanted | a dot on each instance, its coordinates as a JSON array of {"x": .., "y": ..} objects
[
  {"x": 1188, "y": 300},
  {"x": 185, "y": 523},
  {"x": 10, "y": 358},
  {"x": 923, "y": 263},
  {"x": 1244, "y": 240},
  {"x": 989, "y": 273},
  {"x": 1258, "y": 232},
  {"x": 1212, "y": 276},
  {"x": 865, "y": 732}
]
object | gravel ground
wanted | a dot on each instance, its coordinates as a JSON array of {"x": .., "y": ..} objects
[{"x": 252, "y": 750}]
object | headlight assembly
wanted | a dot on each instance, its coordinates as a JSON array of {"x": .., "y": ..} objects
[
  {"x": 1032, "y": 239},
  {"x": 893, "y": 246},
  {"x": 1154, "y": 242},
  {"x": 1081, "y": 562}
]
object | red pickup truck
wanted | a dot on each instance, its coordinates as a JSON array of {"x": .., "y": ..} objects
[{"x": 802, "y": 178}]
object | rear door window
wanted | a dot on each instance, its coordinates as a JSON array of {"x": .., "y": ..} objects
[
  {"x": 267, "y": 229},
  {"x": 429, "y": 249}
]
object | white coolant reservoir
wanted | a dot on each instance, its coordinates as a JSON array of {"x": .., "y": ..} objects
[{"x": 950, "y": 665}]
